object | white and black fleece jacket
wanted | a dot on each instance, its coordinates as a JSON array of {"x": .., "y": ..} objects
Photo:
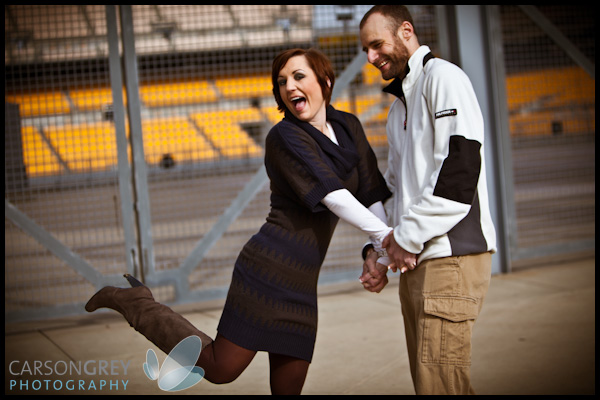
[{"x": 436, "y": 167}]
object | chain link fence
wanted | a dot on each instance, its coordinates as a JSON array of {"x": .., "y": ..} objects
[
  {"x": 81, "y": 208},
  {"x": 551, "y": 105}
]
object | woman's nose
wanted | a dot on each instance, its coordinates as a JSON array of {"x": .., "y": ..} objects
[{"x": 290, "y": 85}]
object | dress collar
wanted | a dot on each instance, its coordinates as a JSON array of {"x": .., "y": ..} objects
[{"x": 344, "y": 155}]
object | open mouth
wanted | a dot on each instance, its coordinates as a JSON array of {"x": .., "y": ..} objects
[{"x": 298, "y": 102}]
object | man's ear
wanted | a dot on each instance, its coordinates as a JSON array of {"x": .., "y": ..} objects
[{"x": 406, "y": 30}]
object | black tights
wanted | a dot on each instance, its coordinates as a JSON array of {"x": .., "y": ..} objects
[{"x": 223, "y": 361}]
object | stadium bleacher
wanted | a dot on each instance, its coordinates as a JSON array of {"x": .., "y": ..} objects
[
  {"x": 177, "y": 93},
  {"x": 37, "y": 156},
  {"x": 198, "y": 136},
  {"x": 537, "y": 99},
  {"x": 40, "y": 103},
  {"x": 84, "y": 147},
  {"x": 208, "y": 136}
]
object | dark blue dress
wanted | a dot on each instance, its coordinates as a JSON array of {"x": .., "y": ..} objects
[{"x": 272, "y": 301}]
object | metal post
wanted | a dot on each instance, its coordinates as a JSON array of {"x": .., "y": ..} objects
[
  {"x": 124, "y": 170},
  {"x": 479, "y": 47},
  {"x": 140, "y": 177}
]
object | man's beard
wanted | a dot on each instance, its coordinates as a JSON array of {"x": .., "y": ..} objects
[{"x": 398, "y": 62}]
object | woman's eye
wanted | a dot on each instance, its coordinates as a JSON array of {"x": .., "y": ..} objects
[
  {"x": 298, "y": 76},
  {"x": 281, "y": 82}
]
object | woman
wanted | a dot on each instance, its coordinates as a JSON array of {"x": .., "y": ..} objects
[{"x": 321, "y": 168}]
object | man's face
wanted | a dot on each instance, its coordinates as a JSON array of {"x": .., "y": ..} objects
[{"x": 384, "y": 49}]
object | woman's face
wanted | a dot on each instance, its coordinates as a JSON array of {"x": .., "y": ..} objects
[{"x": 301, "y": 92}]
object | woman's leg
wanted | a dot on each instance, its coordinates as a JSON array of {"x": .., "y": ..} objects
[
  {"x": 287, "y": 374},
  {"x": 223, "y": 361}
]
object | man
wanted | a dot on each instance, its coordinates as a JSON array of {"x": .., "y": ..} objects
[{"x": 443, "y": 234}]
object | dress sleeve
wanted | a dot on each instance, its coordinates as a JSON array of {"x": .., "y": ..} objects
[
  {"x": 295, "y": 164},
  {"x": 373, "y": 187}
]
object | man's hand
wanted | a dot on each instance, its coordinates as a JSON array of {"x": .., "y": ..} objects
[
  {"x": 374, "y": 276},
  {"x": 399, "y": 257}
]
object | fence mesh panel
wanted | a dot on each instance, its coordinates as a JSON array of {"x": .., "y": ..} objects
[
  {"x": 551, "y": 102},
  {"x": 60, "y": 153},
  {"x": 206, "y": 105}
]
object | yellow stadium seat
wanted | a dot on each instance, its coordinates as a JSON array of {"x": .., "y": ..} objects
[
  {"x": 550, "y": 87},
  {"x": 553, "y": 122},
  {"x": 550, "y": 101},
  {"x": 89, "y": 99},
  {"x": 223, "y": 129},
  {"x": 273, "y": 114},
  {"x": 177, "y": 137},
  {"x": 362, "y": 103},
  {"x": 39, "y": 160},
  {"x": 177, "y": 93},
  {"x": 245, "y": 87},
  {"x": 41, "y": 103},
  {"x": 85, "y": 147}
]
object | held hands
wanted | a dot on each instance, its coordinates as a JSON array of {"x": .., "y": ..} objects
[
  {"x": 374, "y": 276},
  {"x": 400, "y": 258}
]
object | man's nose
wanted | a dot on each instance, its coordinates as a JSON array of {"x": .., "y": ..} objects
[{"x": 372, "y": 56}]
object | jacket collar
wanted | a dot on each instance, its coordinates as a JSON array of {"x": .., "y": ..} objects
[
  {"x": 416, "y": 63},
  {"x": 395, "y": 88}
]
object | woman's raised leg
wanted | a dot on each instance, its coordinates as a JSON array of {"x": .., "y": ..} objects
[{"x": 223, "y": 361}]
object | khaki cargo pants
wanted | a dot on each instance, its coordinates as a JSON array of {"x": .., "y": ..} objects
[{"x": 440, "y": 301}]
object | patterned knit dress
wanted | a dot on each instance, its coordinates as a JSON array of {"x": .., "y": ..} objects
[{"x": 272, "y": 301}]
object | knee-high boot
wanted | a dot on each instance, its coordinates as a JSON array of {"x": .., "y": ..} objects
[{"x": 157, "y": 322}]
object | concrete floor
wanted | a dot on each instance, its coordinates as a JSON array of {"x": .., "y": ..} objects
[{"x": 535, "y": 336}]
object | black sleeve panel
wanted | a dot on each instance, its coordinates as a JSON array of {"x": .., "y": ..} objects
[{"x": 460, "y": 171}]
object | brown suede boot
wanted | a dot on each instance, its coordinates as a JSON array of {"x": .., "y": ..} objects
[{"x": 157, "y": 322}]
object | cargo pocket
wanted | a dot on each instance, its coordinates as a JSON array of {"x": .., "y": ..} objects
[{"x": 447, "y": 329}]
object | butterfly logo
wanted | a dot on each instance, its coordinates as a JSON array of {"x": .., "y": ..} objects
[{"x": 179, "y": 370}]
